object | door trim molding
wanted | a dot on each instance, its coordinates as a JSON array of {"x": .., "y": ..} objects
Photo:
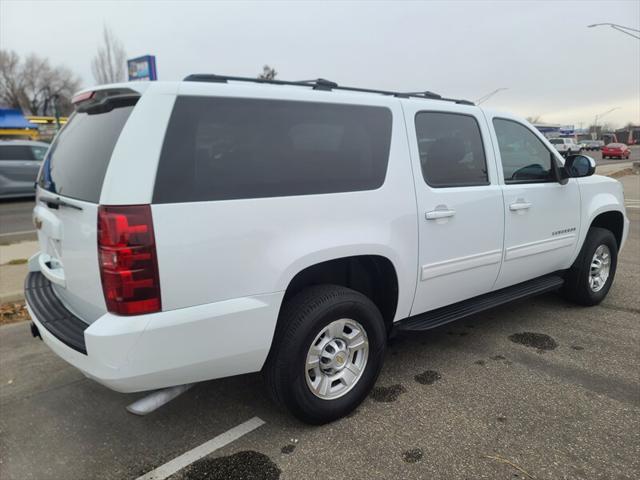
[
  {"x": 437, "y": 269},
  {"x": 539, "y": 246}
]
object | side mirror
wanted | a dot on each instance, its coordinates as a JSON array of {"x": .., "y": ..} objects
[{"x": 576, "y": 166}]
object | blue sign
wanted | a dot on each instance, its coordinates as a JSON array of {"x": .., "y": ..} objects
[{"x": 142, "y": 68}]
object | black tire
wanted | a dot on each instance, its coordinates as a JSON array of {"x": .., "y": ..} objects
[
  {"x": 577, "y": 287},
  {"x": 301, "y": 320}
]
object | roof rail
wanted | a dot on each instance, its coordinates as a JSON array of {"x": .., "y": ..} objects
[{"x": 319, "y": 84}]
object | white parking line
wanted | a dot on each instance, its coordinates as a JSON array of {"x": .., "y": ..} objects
[{"x": 187, "y": 458}]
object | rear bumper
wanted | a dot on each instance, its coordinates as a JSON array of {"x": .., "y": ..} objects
[{"x": 146, "y": 352}]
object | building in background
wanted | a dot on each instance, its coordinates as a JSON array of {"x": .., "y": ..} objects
[
  {"x": 629, "y": 135},
  {"x": 47, "y": 126},
  {"x": 13, "y": 125}
]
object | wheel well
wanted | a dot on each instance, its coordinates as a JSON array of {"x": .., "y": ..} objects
[
  {"x": 613, "y": 221},
  {"x": 371, "y": 275}
]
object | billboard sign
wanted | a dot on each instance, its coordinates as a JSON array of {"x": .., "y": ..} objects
[{"x": 142, "y": 68}]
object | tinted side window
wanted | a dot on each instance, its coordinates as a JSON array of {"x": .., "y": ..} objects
[
  {"x": 524, "y": 157},
  {"x": 451, "y": 150},
  {"x": 232, "y": 148},
  {"x": 16, "y": 152},
  {"x": 78, "y": 159}
]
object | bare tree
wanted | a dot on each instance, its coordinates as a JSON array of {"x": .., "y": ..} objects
[
  {"x": 33, "y": 85},
  {"x": 10, "y": 79},
  {"x": 268, "y": 73},
  {"x": 108, "y": 65},
  {"x": 534, "y": 119}
]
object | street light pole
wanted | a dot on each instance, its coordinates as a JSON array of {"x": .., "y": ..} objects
[
  {"x": 489, "y": 95},
  {"x": 600, "y": 115},
  {"x": 620, "y": 28}
]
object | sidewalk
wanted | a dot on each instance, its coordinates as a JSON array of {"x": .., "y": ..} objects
[
  {"x": 13, "y": 269},
  {"x": 614, "y": 168}
]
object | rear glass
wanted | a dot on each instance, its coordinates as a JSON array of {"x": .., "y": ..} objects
[
  {"x": 78, "y": 159},
  {"x": 557, "y": 141},
  {"x": 232, "y": 148},
  {"x": 18, "y": 152}
]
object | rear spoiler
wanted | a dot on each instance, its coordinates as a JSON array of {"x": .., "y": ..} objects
[{"x": 101, "y": 101}]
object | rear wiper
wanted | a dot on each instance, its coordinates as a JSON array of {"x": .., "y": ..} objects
[{"x": 56, "y": 203}]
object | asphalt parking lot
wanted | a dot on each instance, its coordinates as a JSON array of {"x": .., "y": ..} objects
[{"x": 472, "y": 400}]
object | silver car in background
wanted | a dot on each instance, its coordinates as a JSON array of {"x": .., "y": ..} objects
[{"x": 20, "y": 161}]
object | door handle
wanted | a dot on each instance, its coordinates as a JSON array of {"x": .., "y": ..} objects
[
  {"x": 436, "y": 214},
  {"x": 520, "y": 205}
]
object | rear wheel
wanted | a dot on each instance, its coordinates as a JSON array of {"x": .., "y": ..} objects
[
  {"x": 590, "y": 278},
  {"x": 328, "y": 352}
]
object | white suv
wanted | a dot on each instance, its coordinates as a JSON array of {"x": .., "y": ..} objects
[
  {"x": 217, "y": 226},
  {"x": 565, "y": 146}
]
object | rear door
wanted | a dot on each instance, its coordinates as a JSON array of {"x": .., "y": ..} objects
[
  {"x": 69, "y": 188},
  {"x": 460, "y": 208}
]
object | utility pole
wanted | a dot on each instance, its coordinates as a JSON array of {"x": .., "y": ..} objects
[
  {"x": 600, "y": 115},
  {"x": 56, "y": 110}
]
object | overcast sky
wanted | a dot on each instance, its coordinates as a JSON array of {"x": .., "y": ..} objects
[{"x": 543, "y": 52}]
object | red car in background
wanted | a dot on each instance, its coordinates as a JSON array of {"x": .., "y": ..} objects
[{"x": 616, "y": 150}]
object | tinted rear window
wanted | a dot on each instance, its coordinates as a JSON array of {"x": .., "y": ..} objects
[
  {"x": 232, "y": 148},
  {"x": 78, "y": 159},
  {"x": 451, "y": 150},
  {"x": 557, "y": 141},
  {"x": 17, "y": 152}
]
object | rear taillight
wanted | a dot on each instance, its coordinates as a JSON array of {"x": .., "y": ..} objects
[
  {"x": 128, "y": 262},
  {"x": 81, "y": 97}
]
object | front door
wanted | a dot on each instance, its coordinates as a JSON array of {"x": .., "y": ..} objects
[
  {"x": 460, "y": 207},
  {"x": 542, "y": 217}
]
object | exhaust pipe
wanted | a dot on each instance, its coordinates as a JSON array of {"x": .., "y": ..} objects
[
  {"x": 156, "y": 399},
  {"x": 35, "y": 333}
]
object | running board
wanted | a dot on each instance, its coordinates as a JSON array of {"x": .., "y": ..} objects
[{"x": 450, "y": 313}]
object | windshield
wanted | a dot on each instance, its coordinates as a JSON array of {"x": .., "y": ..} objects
[{"x": 79, "y": 156}]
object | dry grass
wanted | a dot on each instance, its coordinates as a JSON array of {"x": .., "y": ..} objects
[
  {"x": 13, "y": 313},
  {"x": 622, "y": 173},
  {"x": 17, "y": 261}
]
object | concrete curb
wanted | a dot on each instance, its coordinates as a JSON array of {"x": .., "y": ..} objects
[
  {"x": 9, "y": 238},
  {"x": 11, "y": 297}
]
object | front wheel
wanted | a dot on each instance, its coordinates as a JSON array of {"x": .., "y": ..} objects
[
  {"x": 327, "y": 353},
  {"x": 589, "y": 279}
]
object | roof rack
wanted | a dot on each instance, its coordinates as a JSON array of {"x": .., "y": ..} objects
[{"x": 320, "y": 84}]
